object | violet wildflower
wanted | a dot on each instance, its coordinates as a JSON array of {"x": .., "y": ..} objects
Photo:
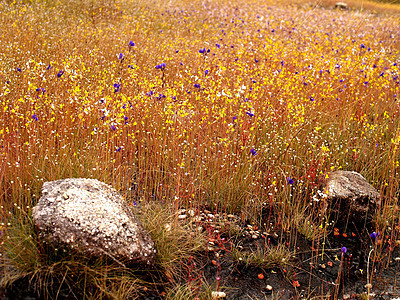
[
  {"x": 218, "y": 46},
  {"x": 113, "y": 128},
  {"x": 131, "y": 44},
  {"x": 289, "y": 180},
  {"x": 204, "y": 51},
  {"x": 206, "y": 72},
  {"x": 161, "y": 66},
  {"x": 19, "y": 70},
  {"x": 250, "y": 114},
  {"x": 34, "y": 116},
  {"x": 49, "y": 67},
  {"x": 118, "y": 149},
  {"x": 344, "y": 250},
  {"x": 374, "y": 235},
  {"x": 60, "y": 73},
  {"x": 253, "y": 152},
  {"x": 117, "y": 87},
  {"x": 120, "y": 56},
  {"x": 196, "y": 85}
]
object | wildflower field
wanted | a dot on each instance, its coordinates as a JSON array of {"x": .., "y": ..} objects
[{"x": 237, "y": 107}]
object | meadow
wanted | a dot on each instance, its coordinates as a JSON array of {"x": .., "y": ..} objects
[{"x": 236, "y": 107}]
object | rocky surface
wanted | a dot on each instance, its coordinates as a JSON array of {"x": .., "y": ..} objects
[
  {"x": 351, "y": 195},
  {"x": 90, "y": 216}
]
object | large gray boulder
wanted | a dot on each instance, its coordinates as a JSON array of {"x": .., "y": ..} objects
[
  {"x": 351, "y": 196},
  {"x": 91, "y": 217}
]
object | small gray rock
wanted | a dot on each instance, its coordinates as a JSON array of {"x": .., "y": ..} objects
[{"x": 90, "y": 216}]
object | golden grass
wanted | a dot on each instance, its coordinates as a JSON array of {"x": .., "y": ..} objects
[{"x": 257, "y": 101}]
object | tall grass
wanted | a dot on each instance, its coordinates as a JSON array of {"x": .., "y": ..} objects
[{"x": 257, "y": 102}]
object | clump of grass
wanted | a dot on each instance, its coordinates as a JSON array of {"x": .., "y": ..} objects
[
  {"x": 305, "y": 225},
  {"x": 263, "y": 257},
  {"x": 189, "y": 291},
  {"x": 177, "y": 241}
]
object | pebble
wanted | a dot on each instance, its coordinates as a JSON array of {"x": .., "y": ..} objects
[
  {"x": 218, "y": 295},
  {"x": 268, "y": 287},
  {"x": 182, "y": 217}
]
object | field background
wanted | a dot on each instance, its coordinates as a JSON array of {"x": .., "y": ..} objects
[{"x": 237, "y": 106}]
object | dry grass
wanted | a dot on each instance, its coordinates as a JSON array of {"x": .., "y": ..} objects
[{"x": 285, "y": 94}]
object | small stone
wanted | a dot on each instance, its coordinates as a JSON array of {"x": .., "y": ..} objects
[
  {"x": 346, "y": 296},
  {"x": 218, "y": 295},
  {"x": 254, "y": 236},
  {"x": 182, "y": 217},
  {"x": 341, "y": 5},
  {"x": 268, "y": 288}
]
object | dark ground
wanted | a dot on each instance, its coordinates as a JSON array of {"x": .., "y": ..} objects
[{"x": 312, "y": 272}]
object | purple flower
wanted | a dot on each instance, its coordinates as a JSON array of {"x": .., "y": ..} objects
[
  {"x": 206, "y": 72},
  {"x": 253, "y": 152},
  {"x": 120, "y": 56},
  {"x": 117, "y": 87},
  {"x": 362, "y": 46},
  {"x": 19, "y": 70},
  {"x": 131, "y": 44},
  {"x": 161, "y": 66},
  {"x": 134, "y": 203},
  {"x": 344, "y": 250},
  {"x": 204, "y": 51},
  {"x": 250, "y": 114},
  {"x": 374, "y": 235},
  {"x": 234, "y": 119},
  {"x": 196, "y": 85},
  {"x": 218, "y": 45},
  {"x": 118, "y": 149},
  {"x": 290, "y": 180},
  {"x": 312, "y": 99},
  {"x": 113, "y": 127},
  {"x": 60, "y": 73},
  {"x": 49, "y": 67},
  {"x": 35, "y": 117}
]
